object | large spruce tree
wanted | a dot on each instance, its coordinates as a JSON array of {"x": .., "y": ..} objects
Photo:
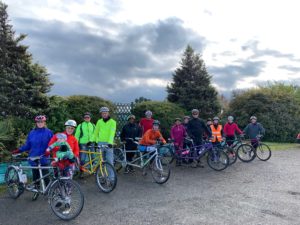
[
  {"x": 23, "y": 84},
  {"x": 191, "y": 86}
]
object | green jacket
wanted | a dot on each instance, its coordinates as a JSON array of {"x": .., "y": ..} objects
[
  {"x": 84, "y": 132},
  {"x": 105, "y": 131}
]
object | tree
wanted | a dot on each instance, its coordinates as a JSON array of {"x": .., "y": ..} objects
[
  {"x": 23, "y": 84},
  {"x": 141, "y": 99},
  {"x": 191, "y": 86},
  {"x": 276, "y": 106},
  {"x": 164, "y": 111}
]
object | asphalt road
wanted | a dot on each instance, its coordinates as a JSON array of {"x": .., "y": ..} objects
[{"x": 254, "y": 193}]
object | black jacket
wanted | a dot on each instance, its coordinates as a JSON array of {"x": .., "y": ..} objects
[
  {"x": 196, "y": 127},
  {"x": 130, "y": 130}
]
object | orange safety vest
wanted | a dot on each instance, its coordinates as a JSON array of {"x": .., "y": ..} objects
[{"x": 216, "y": 133}]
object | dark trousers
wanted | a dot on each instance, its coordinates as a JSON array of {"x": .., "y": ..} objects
[
  {"x": 230, "y": 140},
  {"x": 36, "y": 176}
]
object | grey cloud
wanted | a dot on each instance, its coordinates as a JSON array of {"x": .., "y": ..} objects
[
  {"x": 293, "y": 69},
  {"x": 228, "y": 76},
  {"x": 74, "y": 52},
  {"x": 253, "y": 46}
]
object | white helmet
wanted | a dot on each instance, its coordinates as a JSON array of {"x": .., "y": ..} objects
[
  {"x": 71, "y": 123},
  {"x": 104, "y": 109}
]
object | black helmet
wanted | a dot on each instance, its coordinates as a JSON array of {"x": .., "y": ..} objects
[{"x": 87, "y": 114}]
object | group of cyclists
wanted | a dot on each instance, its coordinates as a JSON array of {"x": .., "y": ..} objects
[{"x": 66, "y": 145}]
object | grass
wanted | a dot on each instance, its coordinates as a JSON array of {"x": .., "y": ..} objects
[
  {"x": 2, "y": 188},
  {"x": 282, "y": 146}
]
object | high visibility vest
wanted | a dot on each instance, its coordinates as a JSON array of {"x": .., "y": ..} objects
[{"x": 216, "y": 133}]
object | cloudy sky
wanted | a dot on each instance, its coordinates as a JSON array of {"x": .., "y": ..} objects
[{"x": 124, "y": 49}]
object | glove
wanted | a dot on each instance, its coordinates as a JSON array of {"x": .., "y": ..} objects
[
  {"x": 16, "y": 151},
  {"x": 47, "y": 153},
  {"x": 89, "y": 144}
]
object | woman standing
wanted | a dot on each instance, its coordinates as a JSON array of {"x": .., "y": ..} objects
[{"x": 36, "y": 145}]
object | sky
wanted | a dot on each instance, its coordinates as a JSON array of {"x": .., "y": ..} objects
[{"x": 124, "y": 49}]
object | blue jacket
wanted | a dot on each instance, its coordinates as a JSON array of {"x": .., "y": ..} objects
[{"x": 36, "y": 143}]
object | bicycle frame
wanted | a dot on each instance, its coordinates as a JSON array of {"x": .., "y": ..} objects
[{"x": 135, "y": 162}]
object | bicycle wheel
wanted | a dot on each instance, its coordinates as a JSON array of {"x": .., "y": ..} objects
[
  {"x": 66, "y": 199},
  {"x": 217, "y": 159},
  {"x": 160, "y": 170},
  {"x": 167, "y": 154},
  {"x": 118, "y": 159},
  {"x": 14, "y": 187},
  {"x": 106, "y": 177},
  {"x": 245, "y": 153},
  {"x": 263, "y": 152},
  {"x": 232, "y": 156}
]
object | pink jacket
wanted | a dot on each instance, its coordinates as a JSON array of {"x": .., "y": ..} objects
[{"x": 178, "y": 132}]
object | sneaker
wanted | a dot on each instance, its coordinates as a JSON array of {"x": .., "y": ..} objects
[
  {"x": 35, "y": 196},
  {"x": 67, "y": 210},
  {"x": 126, "y": 170}
]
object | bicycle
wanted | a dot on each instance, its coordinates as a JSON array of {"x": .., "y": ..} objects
[
  {"x": 160, "y": 170},
  {"x": 64, "y": 194},
  {"x": 262, "y": 151},
  {"x": 106, "y": 176},
  {"x": 217, "y": 159}
]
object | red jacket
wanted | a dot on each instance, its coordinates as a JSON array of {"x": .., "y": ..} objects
[
  {"x": 230, "y": 129},
  {"x": 72, "y": 141},
  {"x": 146, "y": 124}
]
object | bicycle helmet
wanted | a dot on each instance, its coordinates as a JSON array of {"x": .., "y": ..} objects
[
  {"x": 156, "y": 122},
  {"x": 104, "y": 109},
  {"x": 87, "y": 114},
  {"x": 40, "y": 118},
  {"x": 131, "y": 117},
  {"x": 71, "y": 123},
  {"x": 208, "y": 119},
  {"x": 195, "y": 111},
  {"x": 186, "y": 117},
  {"x": 216, "y": 118},
  {"x": 253, "y": 118},
  {"x": 148, "y": 113},
  {"x": 230, "y": 118}
]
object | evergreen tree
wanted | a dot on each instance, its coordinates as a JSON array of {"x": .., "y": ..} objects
[
  {"x": 23, "y": 84},
  {"x": 191, "y": 86}
]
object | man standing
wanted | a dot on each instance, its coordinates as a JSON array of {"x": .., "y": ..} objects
[
  {"x": 253, "y": 130},
  {"x": 84, "y": 134},
  {"x": 104, "y": 133},
  {"x": 146, "y": 123},
  {"x": 129, "y": 132},
  {"x": 195, "y": 128}
]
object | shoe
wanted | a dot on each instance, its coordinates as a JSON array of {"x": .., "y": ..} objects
[
  {"x": 200, "y": 164},
  {"x": 67, "y": 210},
  {"x": 35, "y": 196},
  {"x": 194, "y": 164},
  {"x": 126, "y": 170}
]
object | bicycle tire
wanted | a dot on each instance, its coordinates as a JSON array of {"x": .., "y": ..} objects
[
  {"x": 166, "y": 153},
  {"x": 218, "y": 161},
  {"x": 62, "y": 199},
  {"x": 14, "y": 187},
  {"x": 232, "y": 155},
  {"x": 245, "y": 153},
  {"x": 263, "y": 152},
  {"x": 118, "y": 156},
  {"x": 160, "y": 171},
  {"x": 105, "y": 183}
]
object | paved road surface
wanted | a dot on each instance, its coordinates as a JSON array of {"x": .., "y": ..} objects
[{"x": 255, "y": 193}]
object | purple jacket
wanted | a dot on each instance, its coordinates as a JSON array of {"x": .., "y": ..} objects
[{"x": 178, "y": 132}]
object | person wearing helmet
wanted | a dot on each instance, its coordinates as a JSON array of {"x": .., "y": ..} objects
[
  {"x": 105, "y": 132},
  {"x": 230, "y": 129},
  {"x": 70, "y": 126},
  {"x": 151, "y": 136},
  {"x": 146, "y": 123},
  {"x": 36, "y": 145},
  {"x": 186, "y": 120},
  {"x": 253, "y": 130},
  {"x": 217, "y": 131},
  {"x": 130, "y": 131},
  {"x": 208, "y": 123},
  {"x": 178, "y": 132},
  {"x": 195, "y": 129},
  {"x": 84, "y": 135}
]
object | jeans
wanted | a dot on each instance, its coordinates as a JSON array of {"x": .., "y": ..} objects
[
  {"x": 108, "y": 156},
  {"x": 84, "y": 157}
]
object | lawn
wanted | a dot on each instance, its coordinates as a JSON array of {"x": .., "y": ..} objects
[{"x": 282, "y": 146}]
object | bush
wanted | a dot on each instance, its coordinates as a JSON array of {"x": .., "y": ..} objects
[{"x": 164, "y": 111}]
